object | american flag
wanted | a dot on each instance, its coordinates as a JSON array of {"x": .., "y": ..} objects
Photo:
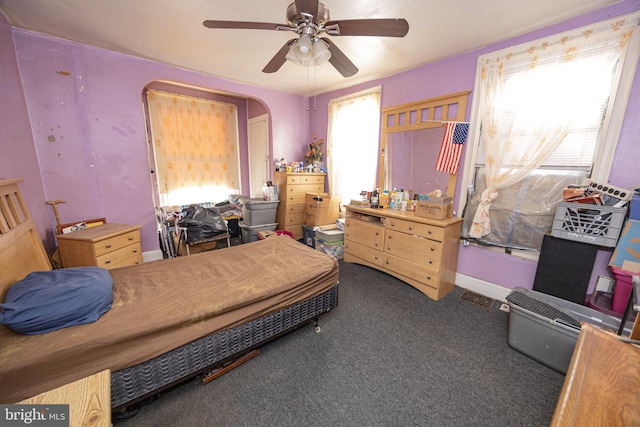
[{"x": 451, "y": 148}]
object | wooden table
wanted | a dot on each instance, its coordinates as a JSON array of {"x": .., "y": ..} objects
[
  {"x": 89, "y": 400},
  {"x": 602, "y": 386}
]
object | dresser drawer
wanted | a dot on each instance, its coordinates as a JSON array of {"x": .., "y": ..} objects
[
  {"x": 425, "y": 230},
  {"x": 365, "y": 253},
  {"x": 104, "y": 246},
  {"x": 421, "y": 273},
  {"x": 413, "y": 248},
  {"x": 293, "y": 219},
  {"x": 304, "y": 188},
  {"x": 128, "y": 255},
  {"x": 365, "y": 233},
  {"x": 312, "y": 179},
  {"x": 295, "y": 208}
]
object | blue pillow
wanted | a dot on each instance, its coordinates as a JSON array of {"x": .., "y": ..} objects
[{"x": 45, "y": 301}]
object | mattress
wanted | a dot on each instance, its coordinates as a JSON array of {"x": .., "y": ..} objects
[{"x": 160, "y": 306}]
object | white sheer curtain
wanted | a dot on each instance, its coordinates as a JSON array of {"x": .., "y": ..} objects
[
  {"x": 532, "y": 96},
  {"x": 352, "y": 144}
]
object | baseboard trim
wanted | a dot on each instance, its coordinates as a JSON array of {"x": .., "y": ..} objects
[
  {"x": 482, "y": 287},
  {"x": 152, "y": 255}
]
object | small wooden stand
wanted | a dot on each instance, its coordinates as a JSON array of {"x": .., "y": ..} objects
[{"x": 212, "y": 375}]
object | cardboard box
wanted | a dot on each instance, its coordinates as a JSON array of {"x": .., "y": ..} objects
[
  {"x": 435, "y": 199},
  {"x": 321, "y": 209},
  {"x": 434, "y": 210},
  {"x": 628, "y": 247}
]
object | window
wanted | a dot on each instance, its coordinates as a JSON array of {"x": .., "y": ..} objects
[
  {"x": 195, "y": 147},
  {"x": 543, "y": 120},
  {"x": 352, "y": 144}
]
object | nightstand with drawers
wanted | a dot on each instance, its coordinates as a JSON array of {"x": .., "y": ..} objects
[{"x": 107, "y": 246}]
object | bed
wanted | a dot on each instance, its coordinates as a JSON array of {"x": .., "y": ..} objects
[{"x": 170, "y": 320}]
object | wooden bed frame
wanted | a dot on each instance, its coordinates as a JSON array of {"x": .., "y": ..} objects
[
  {"x": 22, "y": 252},
  {"x": 20, "y": 247}
]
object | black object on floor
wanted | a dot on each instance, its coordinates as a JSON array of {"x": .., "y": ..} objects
[
  {"x": 477, "y": 299},
  {"x": 564, "y": 268}
]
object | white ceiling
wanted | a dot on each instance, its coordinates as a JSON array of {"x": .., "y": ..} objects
[{"x": 171, "y": 31}]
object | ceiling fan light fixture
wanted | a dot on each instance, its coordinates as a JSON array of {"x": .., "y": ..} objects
[
  {"x": 321, "y": 53},
  {"x": 291, "y": 55},
  {"x": 303, "y": 48}
]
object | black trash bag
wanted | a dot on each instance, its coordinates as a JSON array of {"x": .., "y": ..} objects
[{"x": 202, "y": 223}]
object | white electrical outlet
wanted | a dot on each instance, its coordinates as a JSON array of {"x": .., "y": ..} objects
[{"x": 504, "y": 307}]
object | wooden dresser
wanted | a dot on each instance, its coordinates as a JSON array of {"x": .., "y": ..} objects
[
  {"x": 107, "y": 246},
  {"x": 292, "y": 188},
  {"x": 422, "y": 252}
]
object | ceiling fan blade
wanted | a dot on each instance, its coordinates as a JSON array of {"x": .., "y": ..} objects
[
  {"x": 368, "y": 27},
  {"x": 279, "y": 58},
  {"x": 244, "y": 25},
  {"x": 340, "y": 61},
  {"x": 308, "y": 6}
]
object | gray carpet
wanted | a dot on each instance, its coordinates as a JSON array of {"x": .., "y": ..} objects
[{"x": 387, "y": 356}]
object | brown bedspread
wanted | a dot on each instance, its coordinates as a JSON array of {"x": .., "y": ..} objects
[{"x": 161, "y": 305}]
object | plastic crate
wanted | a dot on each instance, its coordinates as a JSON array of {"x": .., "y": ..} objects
[
  {"x": 250, "y": 232},
  {"x": 335, "y": 249},
  {"x": 593, "y": 224},
  {"x": 546, "y": 328},
  {"x": 309, "y": 236},
  {"x": 258, "y": 211}
]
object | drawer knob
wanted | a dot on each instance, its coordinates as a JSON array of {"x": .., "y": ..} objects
[
  {"x": 428, "y": 277},
  {"x": 433, "y": 248},
  {"x": 429, "y": 232},
  {"x": 137, "y": 262},
  {"x": 108, "y": 246},
  {"x": 410, "y": 228},
  {"x": 377, "y": 233},
  {"x": 130, "y": 237},
  {"x": 430, "y": 262},
  {"x": 108, "y": 261},
  {"x": 135, "y": 251}
]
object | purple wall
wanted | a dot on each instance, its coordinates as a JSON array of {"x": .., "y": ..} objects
[
  {"x": 458, "y": 74},
  {"x": 18, "y": 158},
  {"x": 87, "y": 125}
]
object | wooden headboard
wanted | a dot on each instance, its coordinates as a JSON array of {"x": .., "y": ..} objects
[{"x": 21, "y": 250}]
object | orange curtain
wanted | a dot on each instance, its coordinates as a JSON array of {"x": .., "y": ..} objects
[{"x": 195, "y": 143}]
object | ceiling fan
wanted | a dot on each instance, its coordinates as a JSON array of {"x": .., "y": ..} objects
[{"x": 310, "y": 19}]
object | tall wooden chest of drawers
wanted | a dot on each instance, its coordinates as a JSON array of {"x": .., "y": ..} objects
[
  {"x": 422, "y": 252},
  {"x": 107, "y": 246},
  {"x": 292, "y": 188}
]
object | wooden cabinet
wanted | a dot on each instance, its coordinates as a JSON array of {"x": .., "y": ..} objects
[
  {"x": 292, "y": 188},
  {"x": 107, "y": 246},
  {"x": 423, "y": 252}
]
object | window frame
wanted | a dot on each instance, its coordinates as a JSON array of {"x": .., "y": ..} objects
[{"x": 606, "y": 147}]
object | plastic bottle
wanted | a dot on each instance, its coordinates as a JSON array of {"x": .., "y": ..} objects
[{"x": 384, "y": 198}]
